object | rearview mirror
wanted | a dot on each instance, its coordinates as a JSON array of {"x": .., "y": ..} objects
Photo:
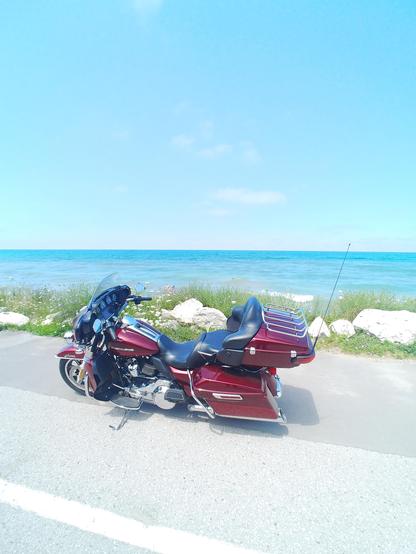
[{"x": 97, "y": 326}]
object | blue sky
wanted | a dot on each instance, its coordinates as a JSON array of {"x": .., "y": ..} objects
[{"x": 193, "y": 124}]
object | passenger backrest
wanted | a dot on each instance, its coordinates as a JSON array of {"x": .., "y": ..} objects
[{"x": 234, "y": 344}]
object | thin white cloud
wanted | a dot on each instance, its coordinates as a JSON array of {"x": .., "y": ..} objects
[
  {"x": 145, "y": 8},
  {"x": 216, "y": 151},
  {"x": 182, "y": 141},
  {"x": 249, "y": 197},
  {"x": 250, "y": 153}
]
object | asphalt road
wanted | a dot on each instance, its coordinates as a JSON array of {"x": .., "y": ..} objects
[{"x": 339, "y": 477}]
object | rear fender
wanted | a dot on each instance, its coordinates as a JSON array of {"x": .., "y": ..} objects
[{"x": 70, "y": 352}]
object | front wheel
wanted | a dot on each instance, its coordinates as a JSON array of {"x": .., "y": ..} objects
[{"x": 70, "y": 373}]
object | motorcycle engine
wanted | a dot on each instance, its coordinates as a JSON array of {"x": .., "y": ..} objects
[
  {"x": 146, "y": 385},
  {"x": 158, "y": 392}
]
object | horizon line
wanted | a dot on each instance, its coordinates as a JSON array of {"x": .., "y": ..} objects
[{"x": 198, "y": 250}]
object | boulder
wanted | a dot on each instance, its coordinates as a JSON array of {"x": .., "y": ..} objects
[
  {"x": 394, "y": 326},
  {"x": 12, "y": 318},
  {"x": 192, "y": 312},
  {"x": 318, "y": 325},
  {"x": 209, "y": 318},
  {"x": 166, "y": 315},
  {"x": 342, "y": 327},
  {"x": 186, "y": 311}
]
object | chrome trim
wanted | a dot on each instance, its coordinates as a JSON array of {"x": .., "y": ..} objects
[
  {"x": 286, "y": 321},
  {"x": 196, "y": 408},
  {"x": 86, "y": 386},
  {"x": 122, "y": 348},
  {"x": 248, "y": 418},
  {"x": 128, "y": 321},
  {"x": 226, "y": 396},
  {"x": 209, "y": 410},
  {"x": 272, "y": 401},
  {"x": 145, "y": 331},
  {"x": 278, "y": 387}
]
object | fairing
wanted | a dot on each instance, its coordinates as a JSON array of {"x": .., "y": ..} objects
[{"x": 70, "y": 351}]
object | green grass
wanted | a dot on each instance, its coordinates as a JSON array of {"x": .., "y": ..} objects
[
  {"x": 363, "y": 344},
  {"x": 38, "y": 304}
]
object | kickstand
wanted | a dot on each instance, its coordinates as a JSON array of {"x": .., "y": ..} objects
[{"x": 122, "y": 421}]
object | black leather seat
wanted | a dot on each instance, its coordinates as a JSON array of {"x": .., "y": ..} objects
[
  {"x": 193, "y": 353},
  {"x": 226, "y": 345},
  {"x": 175, "y": 354}
]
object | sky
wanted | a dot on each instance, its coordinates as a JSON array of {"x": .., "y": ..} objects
[{"x": 185, "y": 124}]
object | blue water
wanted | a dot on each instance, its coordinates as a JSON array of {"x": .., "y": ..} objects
[{"x": 295, "y": 272}]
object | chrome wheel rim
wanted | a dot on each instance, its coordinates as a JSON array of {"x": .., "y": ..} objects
[{"x": 72, "y": 369}]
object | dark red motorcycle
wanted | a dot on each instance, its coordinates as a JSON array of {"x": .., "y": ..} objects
[{"x": 228, "y": 373}]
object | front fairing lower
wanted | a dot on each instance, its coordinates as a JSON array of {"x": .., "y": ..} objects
[{"x": 70, "y": 351}]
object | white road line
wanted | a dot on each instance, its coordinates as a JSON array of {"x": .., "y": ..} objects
[{"x": 107, "y": 524}]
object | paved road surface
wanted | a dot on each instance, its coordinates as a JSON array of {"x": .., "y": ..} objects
[{"x": 339, "y": 477}]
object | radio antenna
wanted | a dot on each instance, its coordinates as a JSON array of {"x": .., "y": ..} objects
[{"x": 332, "y": 294}]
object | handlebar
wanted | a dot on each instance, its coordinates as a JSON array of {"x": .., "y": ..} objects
[{"x": 138, "y": 299}]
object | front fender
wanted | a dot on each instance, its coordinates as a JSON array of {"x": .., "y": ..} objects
[{"x": 70, "y": 352}]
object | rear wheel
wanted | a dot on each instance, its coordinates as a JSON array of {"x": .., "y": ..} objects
[{"x": 70, "y": 373}]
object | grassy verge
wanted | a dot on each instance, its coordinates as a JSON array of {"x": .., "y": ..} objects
[{"x": 63, "y": 305}]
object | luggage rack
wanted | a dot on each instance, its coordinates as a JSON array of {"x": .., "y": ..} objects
[{"x": 285, "y": 321}]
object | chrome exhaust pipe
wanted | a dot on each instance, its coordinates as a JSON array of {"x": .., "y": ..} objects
[{"x": 201, "y": 409}]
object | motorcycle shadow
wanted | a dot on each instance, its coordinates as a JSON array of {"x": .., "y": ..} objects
[{"x": 299, "y": 407}]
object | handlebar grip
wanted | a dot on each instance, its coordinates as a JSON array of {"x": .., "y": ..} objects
[{"x": 139, "y": 299}]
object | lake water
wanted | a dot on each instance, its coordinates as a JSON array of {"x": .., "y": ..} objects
[{"x": 295, "y": 272}]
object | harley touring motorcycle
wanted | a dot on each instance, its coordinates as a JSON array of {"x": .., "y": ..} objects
[{"x": 229, "y": 373}]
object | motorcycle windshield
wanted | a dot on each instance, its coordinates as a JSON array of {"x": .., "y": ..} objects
[
  {"x": 108, "y": 282},
  {"x": 111, "y": 281}
]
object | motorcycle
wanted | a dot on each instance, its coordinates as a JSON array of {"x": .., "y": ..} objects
[{"x": 228, "y": 373}]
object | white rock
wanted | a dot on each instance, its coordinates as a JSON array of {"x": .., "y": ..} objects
[
  {"x": 209, "y": 318},
  {"x": 394, "y": 326},
  {"x": 12, "y": 318},
  {"x": 166, "y": 314},
  {"x": 193, "y": 312},
  {"x": 318, "y": 325},
  {"x": 170, "y": 324},
  {"x": 343, "y": 327},
  {"x": 185, "y": 311}
]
